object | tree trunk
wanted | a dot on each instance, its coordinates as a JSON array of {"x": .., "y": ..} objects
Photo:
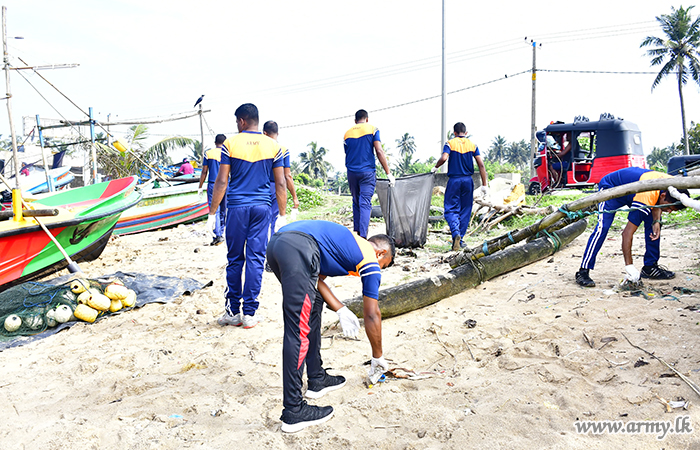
[
  {"x": 417, "y": 294},
  {"x": 680, "y": 93},
  {"x": 516, "y": 236}
]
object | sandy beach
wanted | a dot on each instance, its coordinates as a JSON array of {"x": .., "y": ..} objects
[{"x": 168, "y": 377}]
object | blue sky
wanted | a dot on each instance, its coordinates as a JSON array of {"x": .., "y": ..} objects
[{"x": 303, "y": 62}]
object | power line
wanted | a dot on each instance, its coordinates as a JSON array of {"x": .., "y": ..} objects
[
  {"x": 411, "y": 102},
  {"x": 599, "y": 71}
]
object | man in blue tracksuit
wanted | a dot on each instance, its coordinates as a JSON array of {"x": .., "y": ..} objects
[
  {"x": 361, "y": 142},
  {"x": 651, "y": 217},
  {"x": 459, "y": 193},
  {"x": 210, "y": 169},
  {"x": 248, "y": 158},
  {"x": 271, "y": 130}
]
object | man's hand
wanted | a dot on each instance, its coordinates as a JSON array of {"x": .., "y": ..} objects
[
  {"x": 211, "y": 224},
  {"x": 377, "y": 368},
  {"x": 655, "y": 230},
  {"x": 392, "y": 180},
  {"x": 293, "y": 214},
  {"x": 281, "y": 221},
  {"x": 348, "y": 322},
  {"x": 433, "y": 170},
  {"x": 482, "y": 191},
  {"x": 199, "y": 190},
  {"x": 632, "y": 273}
]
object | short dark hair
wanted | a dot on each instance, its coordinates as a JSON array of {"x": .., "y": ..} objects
[
  {"x": 271, "y": 127},
  {"x": 385, "y": 242},
  {"x": 248, "y": 112},
  {"x": 219, "y": 139},
  {"x": 671, "y": 199},
  {"x": 460, "y": 128},
  {"x": 360, "y": 115}
]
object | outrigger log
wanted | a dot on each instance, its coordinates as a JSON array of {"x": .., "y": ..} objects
[{"x": 417, "y": 294}]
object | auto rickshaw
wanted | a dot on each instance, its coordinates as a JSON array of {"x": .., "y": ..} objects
[{"x": 580, "y": 154}]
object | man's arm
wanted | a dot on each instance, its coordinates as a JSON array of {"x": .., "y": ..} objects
[
  {"x": 381, "y": 157},
  {"x": 219, "y": 188},
  {"x": 280, "y": 189},
  {"x": 373, "y": 324},
  {"x": 203, "y": 176},
  {"x": 627, "y": 235},
  {"x": 327, "y": 295},
  {"x": 290, "y": 186},
  {"x": 482, "y": 170},
  {"x": 656, "y": 226},
  {"x": 442, "y": 160}
]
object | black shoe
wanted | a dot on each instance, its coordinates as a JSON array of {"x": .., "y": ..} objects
[
  {"x": 217, "y": 241},
  {"x": 321, "y": 386},
  {"x": 657, "y": 272},
  {"x": 267, "y": 267},
  {"x": 306, "y": 416},
  {"x": 462, "y": 244},
  {"x": 583, "y": 279}
]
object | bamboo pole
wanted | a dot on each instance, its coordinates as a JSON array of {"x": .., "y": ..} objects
[{"x": 601, "y": 196}]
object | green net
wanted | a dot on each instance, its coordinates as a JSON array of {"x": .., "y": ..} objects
[{"x": 32, "y": 307}]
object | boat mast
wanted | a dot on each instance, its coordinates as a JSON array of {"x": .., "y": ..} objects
[{"x": 16, "y": 193}]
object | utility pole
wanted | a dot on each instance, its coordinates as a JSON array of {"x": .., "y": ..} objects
[
  {"x": 443, "y": 129},
  {"x": 201, "y": 131},
  {"x": 533, "y": 129}
]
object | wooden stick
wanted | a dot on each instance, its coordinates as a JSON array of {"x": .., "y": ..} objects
[{"x": 689, "y": 382}]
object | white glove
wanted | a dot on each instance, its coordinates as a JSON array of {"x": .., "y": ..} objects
[
  {"x": 349, "y": 322},
  {"x": 377, "y": 369},
  {"x": 433, "y": 170},
  {"x": 293, "y": 214},
  {"x": 211, "y": 224},
  {"x": 199, "y": 190},
  {"x": 392, "y": 180},
  {"x": 632, "y": 273},
  {"x": 281, "y": 221}
]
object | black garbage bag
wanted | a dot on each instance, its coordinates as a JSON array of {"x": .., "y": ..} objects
[{"x": 406, "y": 207}]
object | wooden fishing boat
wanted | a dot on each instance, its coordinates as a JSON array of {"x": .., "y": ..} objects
[
  {"x": 165, "y": 206},
  {"x": 82, "y": 221}
]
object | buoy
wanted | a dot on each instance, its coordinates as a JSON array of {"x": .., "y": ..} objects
[
  {"x": 12, "y": 323},
  {"x": 63, "y": 313}
]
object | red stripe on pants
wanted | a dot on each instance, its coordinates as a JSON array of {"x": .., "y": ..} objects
[{"x": 304, "y": 330}]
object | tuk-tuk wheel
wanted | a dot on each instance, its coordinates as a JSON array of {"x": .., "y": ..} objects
[{"x": 534, "y": 188}]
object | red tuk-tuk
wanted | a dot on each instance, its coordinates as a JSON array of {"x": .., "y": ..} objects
[{"x": 580, "y": 154}]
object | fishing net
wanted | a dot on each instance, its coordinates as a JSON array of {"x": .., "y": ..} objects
[{"x": 30, "y": 308}]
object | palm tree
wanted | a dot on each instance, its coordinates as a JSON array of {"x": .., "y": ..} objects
[
  {"x": 499, "y": 149},
  {"x": 518, "y": 153},
  {"x": 678, "y": 52},
  {"x": 659, "y": 157},
  {"x": 406, "y": 145},
  {"x": 196, "y": 153},
  {"x": 312, "y": 162}
]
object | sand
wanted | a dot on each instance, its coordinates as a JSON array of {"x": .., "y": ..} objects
[{"x": 168, "y": 377}]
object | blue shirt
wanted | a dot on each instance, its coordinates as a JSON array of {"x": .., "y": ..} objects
[
  {"x": 342, "y": 253},
  {"x": 251, "y": 156},
  {"x": 461, "y": 152},
  {"x": 359, "y": 147},
  {"x": 212, "y": 159}
]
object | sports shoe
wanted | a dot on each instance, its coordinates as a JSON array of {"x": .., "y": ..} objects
[
  {"x": 230, "y": 320},
  {"x": 321, "y": 386},
  {"x": 657, "y": 272},
  {"x": 583, "y": 279},
  {"x": 251, "y": 321},
  {"x": 456, "y": 243},
  {"x": 306, "y": 416},
  {"x": 462, "y": 244},
  {"x": 217, "y": 241}
]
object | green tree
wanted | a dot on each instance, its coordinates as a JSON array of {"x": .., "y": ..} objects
[
  {"x": 196, "y": 153},
  {"x": 694, "y": 138},
  {"x": 406, "y": 147},
  {"x": 312, "y": 162},
  {"x": 677, "y": 52},
  {"x": 498, "y": 151},
  {"x": 518, "y": 153},
  {"x": 658, "y": 158}
]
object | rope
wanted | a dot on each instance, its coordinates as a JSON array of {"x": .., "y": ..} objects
[
  {"x": 555, "y": 240},
  {"x": 485, "y": 248},
  {"x": 477, "y": 265},
  {"x": 510, "y": 237}
]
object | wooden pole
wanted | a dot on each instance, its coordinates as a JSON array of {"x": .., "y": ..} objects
[{"x": 601, "y": 196}]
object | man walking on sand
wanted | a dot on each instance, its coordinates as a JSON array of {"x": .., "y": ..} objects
[
  {"x": 361, "y": 143},
  {"x": 459, "y": 193},
  {"x": 302, "y": 254},
  {"x": 249, "y": 157},
  {"x": 641, "y": 213},
  {"x": 210, "y": 169},
  {"x": 271, "y": 130}
]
